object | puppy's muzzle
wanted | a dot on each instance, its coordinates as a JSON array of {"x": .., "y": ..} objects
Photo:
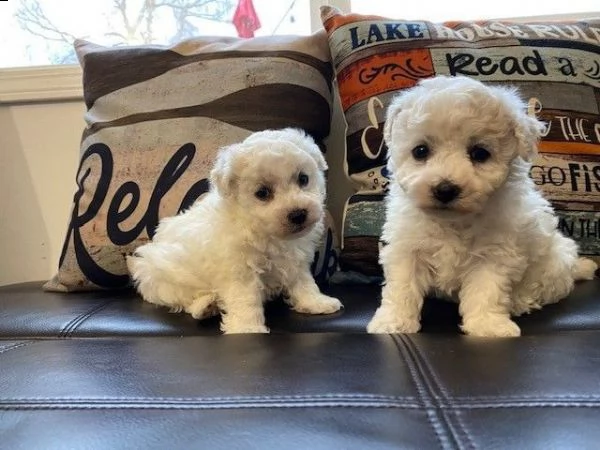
[
  {"x": 445, "y": 192},
  {"x": 297, "y": 217}
]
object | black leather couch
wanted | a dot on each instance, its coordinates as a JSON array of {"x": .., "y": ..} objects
[{"x": 106, "y": 370}]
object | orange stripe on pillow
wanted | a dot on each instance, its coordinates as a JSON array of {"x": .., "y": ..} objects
[
  {"x": 569, "y": 148},
  {"x": 383, "y": 73}
]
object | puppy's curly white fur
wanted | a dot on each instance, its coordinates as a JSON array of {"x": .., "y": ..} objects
[
  {"x": 463, "y": 217},
  {"x": 253, "y": 236}
]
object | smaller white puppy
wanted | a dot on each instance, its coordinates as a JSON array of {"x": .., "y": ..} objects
[
  {"x": 463, "y": 217},
  {"x": 251, "y": 237}
]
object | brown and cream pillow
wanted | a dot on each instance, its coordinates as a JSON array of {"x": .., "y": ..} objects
[
  {"x": 156, "y": 116},
  {"x": 556, "y": 66}
]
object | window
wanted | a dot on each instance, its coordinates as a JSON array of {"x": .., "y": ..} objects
[{"x": 41, "y": 32}]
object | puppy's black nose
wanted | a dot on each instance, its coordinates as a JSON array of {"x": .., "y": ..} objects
[
  {"x": 446, "y": 191},
  {"x": 298, "y": 216}
]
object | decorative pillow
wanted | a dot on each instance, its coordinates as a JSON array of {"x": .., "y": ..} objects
[
  {"x": 156, "y": 116},
  {"x": 556, "y": 66}
]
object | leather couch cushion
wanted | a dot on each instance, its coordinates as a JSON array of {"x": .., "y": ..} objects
[
  {"x": 27, "y": 311},
  {"x": 362, "y": 391}
]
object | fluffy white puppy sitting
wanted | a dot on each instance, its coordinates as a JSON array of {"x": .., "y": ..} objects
[
  {"x": 463, "y": 217},
  {"x": 253, "y": 236}
]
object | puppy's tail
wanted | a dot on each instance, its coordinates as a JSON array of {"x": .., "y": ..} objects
[{"x": 584, "y": 269}]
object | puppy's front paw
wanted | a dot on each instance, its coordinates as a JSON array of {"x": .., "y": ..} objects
[
  {"x": 244, "y": 329},
  {"x": 387, "y": 322},
  {"x": 320, "y": 304},
  {"x": 202, "y": 310},
  {"x": 584, "y": 269},
  {"x": 491, "y": 325}
]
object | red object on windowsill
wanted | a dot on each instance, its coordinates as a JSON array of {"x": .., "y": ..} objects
[{"x": 245, "y": 19}]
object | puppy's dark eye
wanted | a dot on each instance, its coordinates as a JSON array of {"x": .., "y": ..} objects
[
  {"x": 421, "y": 152},
  {"x": 479, "y": 154},
  {"x": 264, "y": 193},
  {"x": 302, "y": 179}
]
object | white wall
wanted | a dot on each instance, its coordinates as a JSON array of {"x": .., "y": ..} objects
[
  {"x": 39, "y": 148},
  {"x": 39, "y": 151}
]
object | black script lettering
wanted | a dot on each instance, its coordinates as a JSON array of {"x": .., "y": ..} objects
[
  {"x": 122, "y": 205},
  {"x": 172, "y": 171},
  {"x": 198, "y": 188},
  {"x": 510, "y": 65},
  {"x": 462, "y": 64},
  {"x": 483, "y": 63},
  {"x": 88, "y": 266},
  {"x": 457, "y": 64},
  {"x": 116, "y": 215},
  {"x": 566, "y": 67},
  {"x": 534, "y": 65}
]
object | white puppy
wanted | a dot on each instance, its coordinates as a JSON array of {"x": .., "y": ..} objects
[
  {"x": 253, "y": 236},
  {"x": 463, "y": 217}
]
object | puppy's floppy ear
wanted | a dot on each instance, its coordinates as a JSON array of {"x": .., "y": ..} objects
[
  {"x": 393, "y": 110},
  {"x": 528, "y": 131},
  {"x": 315, "y": 152},
  {"x": 222, "y": 175}
]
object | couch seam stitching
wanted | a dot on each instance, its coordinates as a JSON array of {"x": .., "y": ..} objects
[
  {"x": 8, "y": 348},
  {"x": 425, "y": 399},
  {"x": 200, "y": 405},
  {"x": 87, "y": 316},
  {"x": 227, "y": 398},
  {"x": 433, "y": 388},
  {"x": 526, "y": 397},
  {"x": 69, "y": 329},
  {"x": 411, "y": 401},
  {"x": 445, "y": 397}
]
